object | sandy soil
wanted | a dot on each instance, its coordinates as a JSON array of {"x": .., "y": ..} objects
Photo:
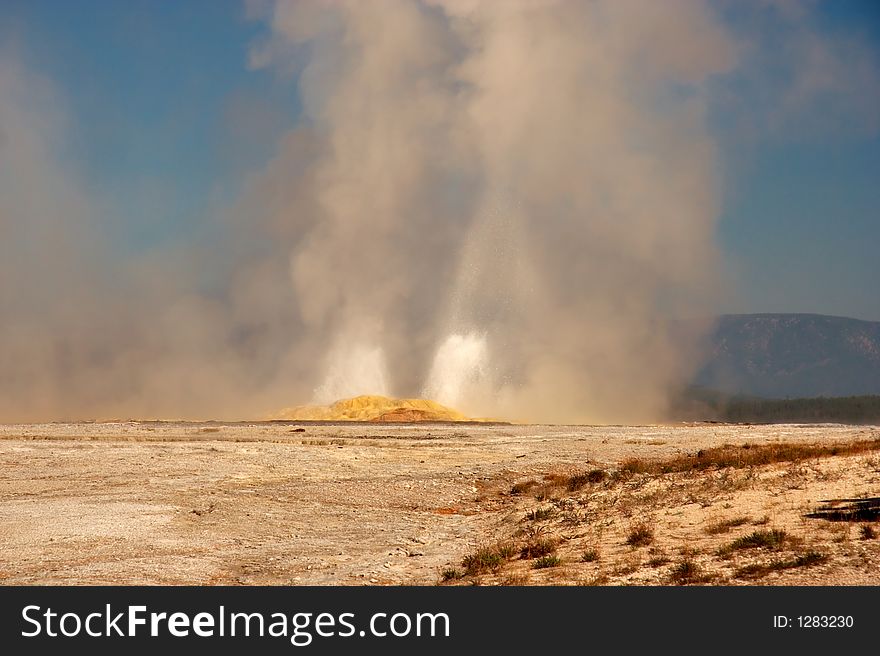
[{"x": 343, "y": 504}]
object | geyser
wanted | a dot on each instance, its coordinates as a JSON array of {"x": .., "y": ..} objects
[
  {"x": 512, "y": 197},
  {"x": 460, "y": 368},
  {"x": 353, "y": 370},
  {"x": 494, "y": 204}
]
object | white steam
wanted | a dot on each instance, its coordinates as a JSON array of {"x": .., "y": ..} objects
[
  {"x": 352, "y": 370},
  {"x": 459, "y": 372},
  {"x": 519, "y": 193},
  {"x": 500, "y": 204}
]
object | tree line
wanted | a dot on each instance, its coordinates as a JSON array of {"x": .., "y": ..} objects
[{"x": 707, "y": 405}]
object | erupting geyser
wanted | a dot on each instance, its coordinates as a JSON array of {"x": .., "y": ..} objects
[
  {"x": 499, "y": 205},
  {"x": 460, "y": 367},
  {"x": 506, "y": 201},
  {"x": 352, "y": 370}
]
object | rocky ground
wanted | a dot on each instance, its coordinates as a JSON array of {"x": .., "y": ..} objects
[{"x": 350, "y": 504}]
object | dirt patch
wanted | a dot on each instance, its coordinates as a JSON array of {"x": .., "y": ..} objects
[{"x": 254, "y": 503}]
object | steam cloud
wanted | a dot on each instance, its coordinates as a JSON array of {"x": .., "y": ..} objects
[
  {"x": 497, "y": 204},
  {"x": 510, "y": 196}
]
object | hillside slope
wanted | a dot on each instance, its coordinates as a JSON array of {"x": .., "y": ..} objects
[{"x": 792, "y": 355}]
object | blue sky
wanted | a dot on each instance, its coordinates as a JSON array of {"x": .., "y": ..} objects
[
  {"x": 154, "y": 89},
  {"x": 161, "y": 107}
]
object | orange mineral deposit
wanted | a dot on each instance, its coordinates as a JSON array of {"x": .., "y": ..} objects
[{"x": 373, "y": 408}]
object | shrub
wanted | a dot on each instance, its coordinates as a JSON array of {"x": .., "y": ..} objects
[
  {"x": 543, "y": 562},
  {"x": 540, "y": 514},
  {"x": 523, "y": 487},
  {"x": 590, "y": 556},
  {"x": 641, "y": 535},
  {"x": 577, "y": 481},
  {"x": 538, "y": 547},
  {"x": 747, "y": 455},
  {"x": 686, "y": 572},
  {"x": 772, "y": 539},
  {"x": 487, "y": 559},
  {"x": 759, "y": 570},
  {"x": 724, "y": 526}
]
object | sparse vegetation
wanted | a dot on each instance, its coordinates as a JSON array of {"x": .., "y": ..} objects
[
  {"x": 747, "y": 455},
  {"x": 772, "y": 539},
  {"x": 540, "y": 514},
  {"x": 641, "y": 535},
  {"x": 810, "y": 558},
  {"x": 538, "y": 547},
  {"x": 840, "y": 532},
  {"x": 550, "y": 560},
  {"x": 590, "y": 555},
  {"x": 600, "y": 579},
  {"x": 506, "y": 550},
  {"x": 760, "y": 539},
  {"x": 450, "y": 574},
  {"x": 687, "y": 571},
  {"x": 759, "y": 570},
  {"x": 487, "y": 559},
  {"x": 867, "y": 532},
  {"x": 551, "y": 486},
  {"x": 481, "y": 561},
  {"x": 578, "y": 481},
  {"x": 523, "y": 487},
  {"x": 627, "y": 566},
  {"x": 725, "y": 525},
  {"x": 537, "y": 540}
]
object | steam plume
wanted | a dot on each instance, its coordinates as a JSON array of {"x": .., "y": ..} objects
[
  {"x": 500, "y": 204},
  {"x": 515, "y": 194}
]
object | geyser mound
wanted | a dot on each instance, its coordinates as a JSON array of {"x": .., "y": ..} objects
[{"x": 373, "y": 408}]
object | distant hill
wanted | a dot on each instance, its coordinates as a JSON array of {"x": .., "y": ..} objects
[{"x": 792, "y": 355}]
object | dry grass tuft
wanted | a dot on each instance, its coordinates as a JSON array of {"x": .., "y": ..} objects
[
  {"x": 747, "y": 455},
  {"x": 523, "y": 487},
  {"x": 578, "y": 481},
  {"x": 687, "y": 572},
  {"x": 759, "y": 570},
  {"x": 540, "y": 514},
  {"x": 488, "y": 559},
  {"x": 641, "y": 535},
  {"x": 590, "y": 555},
  {"x": 772, "y": 539},
  {"x": 600, "y": 579},
  {"x": 761, "y": 539},
  {"x": 538, "y": 547},
  {"x": 725, "y": 525},
  {"x": 550, "y": 560}
]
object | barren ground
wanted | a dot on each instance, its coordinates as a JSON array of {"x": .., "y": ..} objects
[{"x": 343, "y": 504}]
